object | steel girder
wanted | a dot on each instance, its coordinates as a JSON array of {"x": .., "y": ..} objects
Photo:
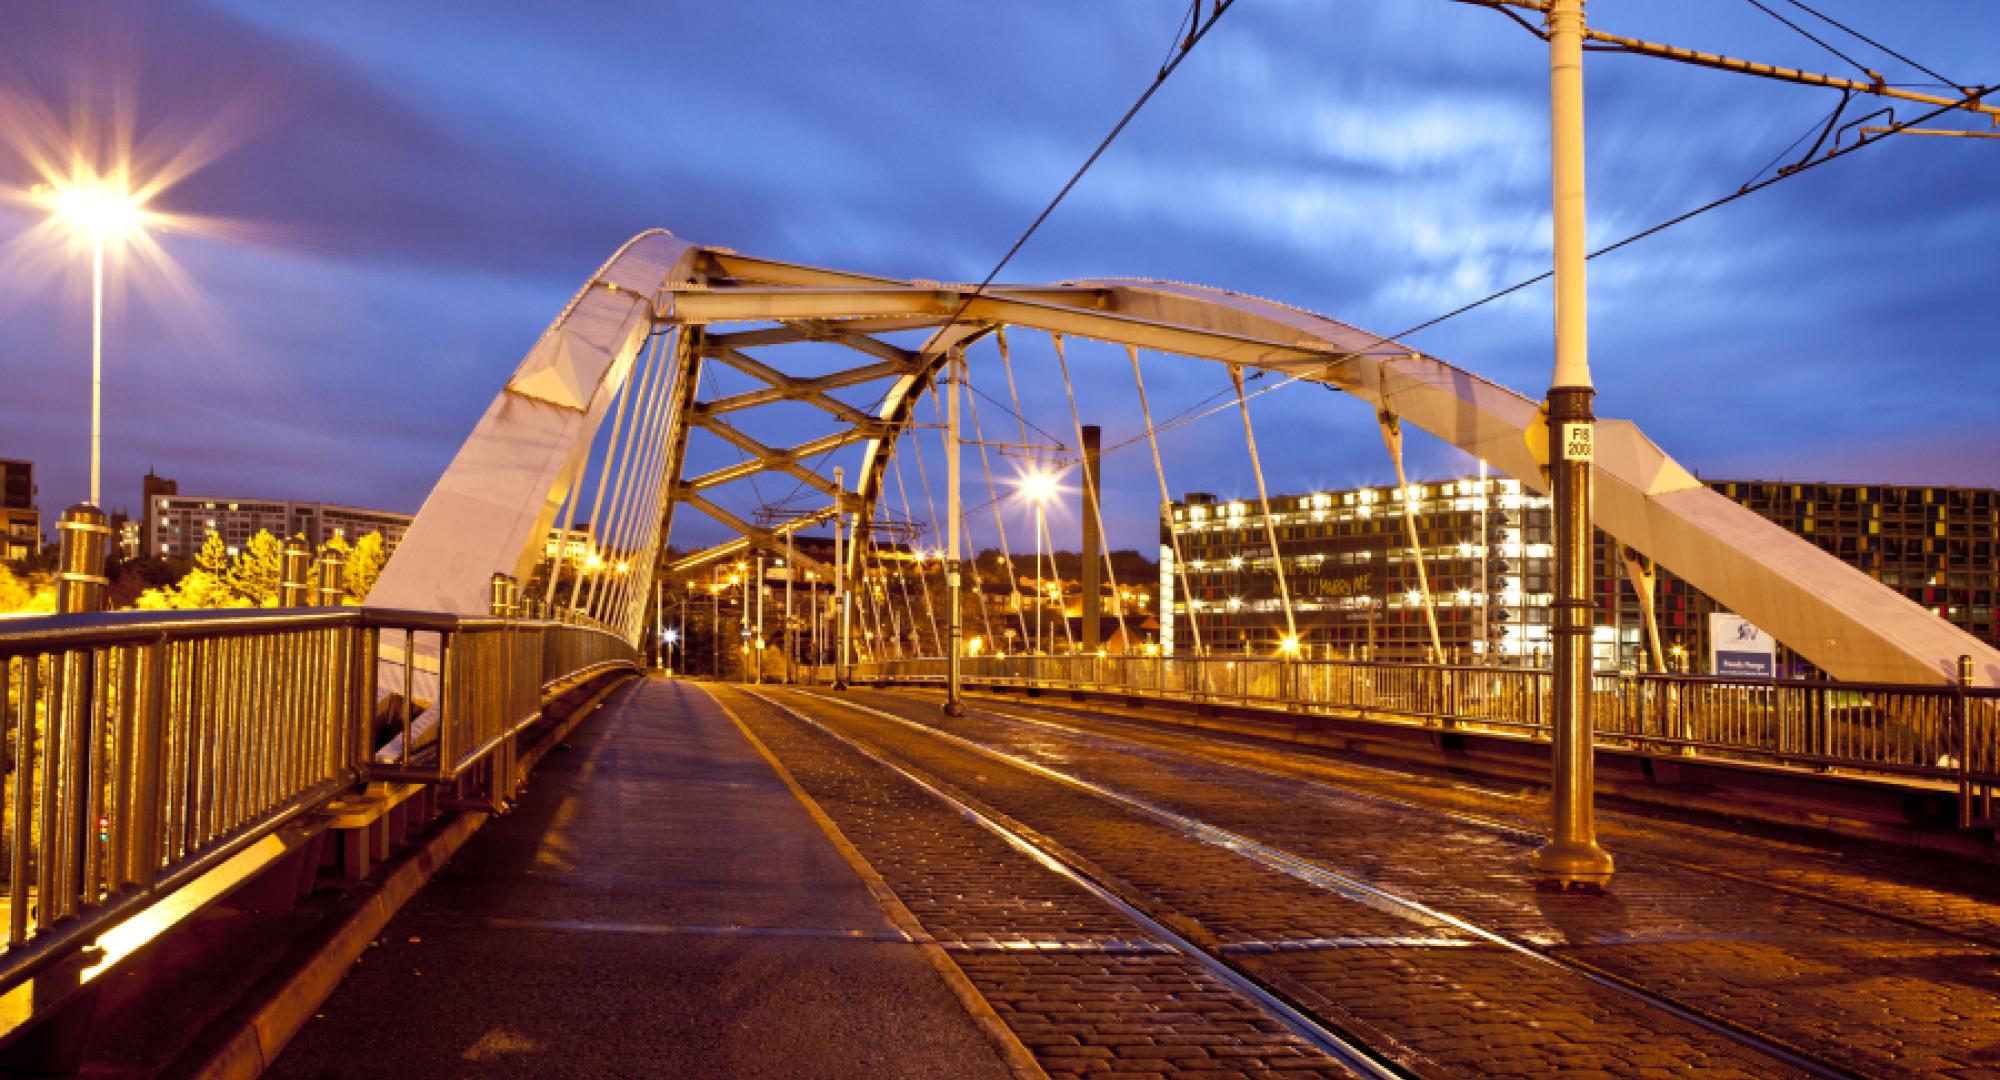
[{"x": 1837, "y": 617}]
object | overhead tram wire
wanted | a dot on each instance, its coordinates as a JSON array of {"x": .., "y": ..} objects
[
  {"x": 1809, "y": 36},
  {"x": 1190, "y": 415},
  {"x": 1198, "y": 30},
  {"x": 1865, "y": 39}
]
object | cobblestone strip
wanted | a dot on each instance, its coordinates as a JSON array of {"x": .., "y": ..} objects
[
  {"x": 1885, "y": 995},
  {"x": 1446, "y": 1003},
  {"x": 1070, "y": 975},
  {"x": 1950, "y": 896}
]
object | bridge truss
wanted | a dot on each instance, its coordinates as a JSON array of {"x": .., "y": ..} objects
[{"x": 652, "y": 328}]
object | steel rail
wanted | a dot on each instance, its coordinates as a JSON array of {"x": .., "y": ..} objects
[
  {"x": 1512, "y": 830},
  {"x": 1383, "y": 899},
  {"x": 1323, "y": 1035}
]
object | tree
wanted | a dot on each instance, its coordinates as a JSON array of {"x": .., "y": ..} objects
[
  {"x": 364, "y": 566},
  {"x": 259, "y": 568},
  {"x": 214, "y": 558},
  {"x": 199, "y": 589},
  {"x": 33, "y": 594}
]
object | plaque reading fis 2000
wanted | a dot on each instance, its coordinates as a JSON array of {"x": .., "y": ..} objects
[{"x": 1579, "y": 442}]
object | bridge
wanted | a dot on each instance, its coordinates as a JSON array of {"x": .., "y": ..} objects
[{"x": 1099, "y": 847}]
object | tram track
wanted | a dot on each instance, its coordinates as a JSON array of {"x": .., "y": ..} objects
[
  {"x": 1519, "y": 831},
  {"x": 1772, "y": 1049},
  {"x": 1329, "y": 1038}
]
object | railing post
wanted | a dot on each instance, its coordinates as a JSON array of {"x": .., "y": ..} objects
[
  {"x": 500, "y": 598},
  {"x": 86, "y": 544},
  {"x": 332, "y": 565},
  {"x": 80, "y": 587},
  {"x": 1962, "y": 704},
  {"x": 295, "y": 583}
]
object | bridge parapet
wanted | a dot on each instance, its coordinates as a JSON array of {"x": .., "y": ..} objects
[
  {"x": 146, "y": 751},
  {"x": 1944, "y": 734}
]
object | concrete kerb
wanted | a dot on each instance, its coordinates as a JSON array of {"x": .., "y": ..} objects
[{"x": 1019, "y": 1060}]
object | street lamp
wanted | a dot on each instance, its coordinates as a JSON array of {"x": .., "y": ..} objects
[
  {"x": 97, "y": 209},
  {"x": 1038, "y": 487}
]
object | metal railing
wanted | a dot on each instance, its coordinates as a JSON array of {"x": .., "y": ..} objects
[
  {"x": 144, "y": 749},
  {"x": 1949, "y": 733}
]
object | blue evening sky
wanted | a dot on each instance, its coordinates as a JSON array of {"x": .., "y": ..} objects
[{"x": 410, "y": 192}]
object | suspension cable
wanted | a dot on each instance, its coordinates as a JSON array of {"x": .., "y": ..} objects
[
  {"x": 999, "y": 525},
  {"x": 1392, "y": 438},
  {"x": 1264, "y": 501},
  {"x": 1092, "y": 498},
  {"x": 1166, "y": 501},
  {"x": 923, "y": 583},
  {"x": 964, "y": 516},
  {"x": 1055, "y": 574},
  {"x": 614, "y": 526},
  {"x": 570, "y": 498},
  {"x": 603, "y": 475},
  {"x": 648, "y": 553},
  {"x": 639, "y": 468}
]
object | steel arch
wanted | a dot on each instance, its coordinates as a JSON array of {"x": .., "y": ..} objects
[{"x": 1843, "y": 621}]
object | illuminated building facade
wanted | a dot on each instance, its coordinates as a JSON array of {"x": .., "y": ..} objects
[
  {"x": 20, "y": 520},
  {"x": 178, "y": 525},
  {"x": 1354, "y": 589}
]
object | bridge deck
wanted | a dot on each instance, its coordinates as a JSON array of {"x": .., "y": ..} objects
[
  {"x": 1131, "y": 897},
  {"x": 658, "y": 905}
]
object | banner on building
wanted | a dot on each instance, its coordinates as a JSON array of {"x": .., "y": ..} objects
[
  {"x": 1737, "y": 648},
  {"x": 1324, "y": 583}
]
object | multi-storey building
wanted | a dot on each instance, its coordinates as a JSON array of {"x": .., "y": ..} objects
[
  {"x": 1348, "y": 572},
  {"x": 178, "y": 525},
  {"x": 1939, "y": 546},
  {"x": 1354, "y": 590},
  {"x": 20, "y": 521}
]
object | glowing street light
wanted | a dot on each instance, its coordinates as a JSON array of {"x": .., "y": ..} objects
[
  {"x": 96, "y": 209},
  {"x": 1038, "y": 487}
]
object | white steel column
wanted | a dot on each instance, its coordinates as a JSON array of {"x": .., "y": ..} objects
[
  {"x": 954, "y": 704},
  {"x": 840, "y": 598},
  {"x": 1572, "y": 855}
]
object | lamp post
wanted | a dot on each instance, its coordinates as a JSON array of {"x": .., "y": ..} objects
[
  {"x": 1572, "y": 855},
  {"x": 98, "y": 209},
  {"x": 1038, "y": 487}
]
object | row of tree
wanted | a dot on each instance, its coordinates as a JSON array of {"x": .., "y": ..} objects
[{"x": 252, "y": 576}]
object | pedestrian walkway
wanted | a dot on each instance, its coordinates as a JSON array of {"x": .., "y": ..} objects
[{"x": 659, "y": 905}]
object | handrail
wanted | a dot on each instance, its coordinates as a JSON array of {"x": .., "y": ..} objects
[
  {"x": 1949, "y": 733},
  {"x": 137, "y": 748}
]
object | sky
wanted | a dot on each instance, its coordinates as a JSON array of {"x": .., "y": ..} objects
[{"x": 376, "y": 208}]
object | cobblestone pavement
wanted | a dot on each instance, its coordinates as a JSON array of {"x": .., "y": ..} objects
[
  {"x": 1418, "y": 985},
  {"x": 1082, "y": 985},
  {"x": 1882, "y": 963}
]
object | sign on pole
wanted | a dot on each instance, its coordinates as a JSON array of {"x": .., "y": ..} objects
[{"x": 1737, "y": 648}]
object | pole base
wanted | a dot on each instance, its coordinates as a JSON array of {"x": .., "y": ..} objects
[
  {"x": 954, "y": 708},
  {"x": 839, "y": 685},
  {"x": 1572, "y": 864}
]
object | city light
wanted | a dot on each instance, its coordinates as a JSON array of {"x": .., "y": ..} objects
[
  {"x": 1288, "y": 645},
  {"x": 1038, "y": 486},
  {"x": 95, "y": 210}
]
